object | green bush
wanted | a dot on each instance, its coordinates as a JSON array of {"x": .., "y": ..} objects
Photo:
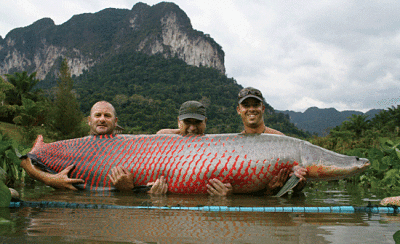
[
  {"x": 11, "y": 171},
  {"x": 384, "y": 172}
]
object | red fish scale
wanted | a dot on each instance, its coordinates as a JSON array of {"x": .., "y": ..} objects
[{"x": 186, "y": 162}]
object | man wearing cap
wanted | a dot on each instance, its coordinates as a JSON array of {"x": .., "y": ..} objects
[
  {"x": 191, "y": 120},
  {"x": 251, "y": 109}
]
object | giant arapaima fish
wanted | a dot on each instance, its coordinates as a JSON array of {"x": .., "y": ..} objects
[{"x": 248, "y": 162}]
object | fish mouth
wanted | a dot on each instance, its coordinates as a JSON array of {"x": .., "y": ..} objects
[
  {"x": 365, "y": 165},
  {"x": 365, "y": 162}
]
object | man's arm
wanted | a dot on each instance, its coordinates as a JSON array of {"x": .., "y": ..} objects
[
  {"x": 59, "y": 180},
  {"x": 217, "y": 188},
  {"x": 277, "y": 182},
  {"x": 168, "y": 131},
  {"x": 122, "y": 179},
  {"x": 158, "y": 187},
  {"x": 300, "y": 172}
]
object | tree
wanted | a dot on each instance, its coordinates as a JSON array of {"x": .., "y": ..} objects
[
  {"x": 31, "y": 115},
  {"x": 23, "y": 85},
  {"x": 7, "y": 111},
  {"x": 388, "y": 121},
  {"x": 357, "y": 124},
  {"x": 67, "y": 116},
  {"x": 4, "y": 86}
]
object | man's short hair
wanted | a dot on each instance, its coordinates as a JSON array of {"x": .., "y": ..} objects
[
  {"x": 112, "y": 107},
  {"x": 250, "y": 92},
  {"x": 192, "y": 110}
]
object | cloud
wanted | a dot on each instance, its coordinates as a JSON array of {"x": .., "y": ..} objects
[
  {"x": 342, "y": 54},
  {"x": 328, "y": 54}
]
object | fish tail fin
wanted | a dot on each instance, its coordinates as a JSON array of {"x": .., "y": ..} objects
[{"x": 37, "y": 144}]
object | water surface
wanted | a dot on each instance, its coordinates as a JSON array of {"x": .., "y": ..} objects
[{"x": 49, "y": 225}]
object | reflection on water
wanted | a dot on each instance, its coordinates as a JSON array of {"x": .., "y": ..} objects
[{"x": 37, "y": 225}]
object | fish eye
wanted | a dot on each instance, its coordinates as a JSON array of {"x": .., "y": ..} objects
[{"x": 357, "y": 158}]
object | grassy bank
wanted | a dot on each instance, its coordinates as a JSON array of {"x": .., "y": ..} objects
[{"x": 12, "y": 131}]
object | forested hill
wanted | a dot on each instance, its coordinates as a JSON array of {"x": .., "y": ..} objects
[
  {"x": 320, "y": 120},
  {"x": 147, "y": 92}
]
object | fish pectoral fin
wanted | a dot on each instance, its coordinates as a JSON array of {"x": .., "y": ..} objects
[
  {"x": 19, "y": 155},
  {"x": 290, "y": 184}
]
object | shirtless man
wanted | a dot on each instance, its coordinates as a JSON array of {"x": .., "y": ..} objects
[
  {"x": 191, "y": 120},
  {"x": 251, "y": 109},
  {"x": 102, "y": 121}
]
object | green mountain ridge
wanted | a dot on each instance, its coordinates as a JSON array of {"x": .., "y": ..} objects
[{"x": 320, "y": 120}]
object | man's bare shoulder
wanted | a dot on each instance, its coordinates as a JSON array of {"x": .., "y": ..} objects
[
  {"x": 168, "y": 131},
  {"x": 272, "y": 131}
]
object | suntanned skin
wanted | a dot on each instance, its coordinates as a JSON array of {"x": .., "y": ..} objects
[
  {"x": 251, "y": 111},
  {"x": 192, "y": 126},
  {"x": 59, "y": 181},
  {"x": 187, "y": 127},
  {"x": 102, "y": 121},
  {"x": 123, "y": 181}
]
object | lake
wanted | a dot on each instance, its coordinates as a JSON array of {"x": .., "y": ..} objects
[{"x": 73, "y": 225}]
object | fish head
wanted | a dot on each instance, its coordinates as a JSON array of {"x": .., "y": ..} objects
[{"x": 323, "y": 164}]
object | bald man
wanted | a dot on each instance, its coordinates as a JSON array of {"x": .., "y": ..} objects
[{"x": 102, "y": 121}]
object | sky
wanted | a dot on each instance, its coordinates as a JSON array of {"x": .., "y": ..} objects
[{"x": 342, "y": 54}]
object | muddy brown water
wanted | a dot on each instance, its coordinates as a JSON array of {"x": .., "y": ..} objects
[{"x": 62, "y": 225}]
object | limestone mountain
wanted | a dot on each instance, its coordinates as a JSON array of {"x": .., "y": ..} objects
[{"x": 87, "y": 39}]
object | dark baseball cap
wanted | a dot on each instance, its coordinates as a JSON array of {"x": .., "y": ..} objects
[
  {"x": 192, "y": 110},
  {"x": 249, "y": 92}
]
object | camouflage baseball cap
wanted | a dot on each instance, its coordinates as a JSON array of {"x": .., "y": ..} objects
[
  {"x": 249, "y": 92},
  {"x": 192, "y": 110}
]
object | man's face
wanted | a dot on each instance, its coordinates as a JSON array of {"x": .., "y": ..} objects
[
  {"x": 192, "y": 126},
  {"x": 102, "y": 119},
  {"x": 251, "y": 110}
]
